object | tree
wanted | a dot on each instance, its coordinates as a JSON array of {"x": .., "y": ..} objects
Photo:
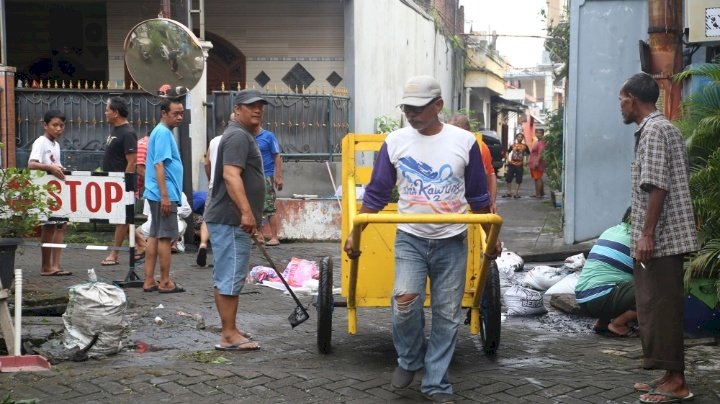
[{"x": 700, "y": 126}]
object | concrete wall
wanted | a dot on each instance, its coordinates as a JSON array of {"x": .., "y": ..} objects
[
  {"x": 391, "y": 41},
  {"x": 604, "y": 52}
]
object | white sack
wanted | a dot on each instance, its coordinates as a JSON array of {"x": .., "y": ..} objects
[
  {"x": 542, "y": 277},
  {"x": 575, "y": 262},
  {"x": 92, "y": 308},
  {"x": 566, "y": 285},
  {"x": 522, "y": 301},
  {"x": 509, "y": 262}
]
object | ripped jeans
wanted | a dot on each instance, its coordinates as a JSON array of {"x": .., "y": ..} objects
[{"x": 444, "y": 261}]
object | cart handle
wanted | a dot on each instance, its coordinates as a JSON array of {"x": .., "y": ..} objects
[{"x": 358, "y": 220}]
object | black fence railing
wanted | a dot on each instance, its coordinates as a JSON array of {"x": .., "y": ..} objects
[{"x": 308, "y": 126}]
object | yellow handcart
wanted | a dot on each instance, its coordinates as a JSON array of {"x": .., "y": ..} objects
[{"x": 368, "y": 280}]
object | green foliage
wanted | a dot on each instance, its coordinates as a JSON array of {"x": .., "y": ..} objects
[
  {"x": 557, "y": 42},
  {"x": 386, "y": 124},
  {"x": 23, "y": 204},
  {"x": 701, "y": 128},
  {"x": 553, "y": 153}
]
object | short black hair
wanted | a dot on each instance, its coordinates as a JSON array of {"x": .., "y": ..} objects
[
  {"x": 626, "y": 216},
  {"x": 53, "y": 113},
  {"x": 119, "y": 105},
  {"x": 643, "y": 87},
  {"x": 166, "y": 102}
]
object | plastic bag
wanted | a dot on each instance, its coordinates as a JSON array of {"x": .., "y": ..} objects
[
  {"x": 522, "y": 301},
  {"x": 300, "y": 270},
  {"x": 542, "y": 277},
  {"x": 565, "y": 286},
  {"x": 92, "y": 308}
]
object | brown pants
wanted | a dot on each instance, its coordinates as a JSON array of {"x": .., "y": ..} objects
[{"x": 660, "y": 304}]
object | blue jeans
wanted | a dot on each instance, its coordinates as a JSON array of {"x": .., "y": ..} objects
[{"x": 444, "y": 261}]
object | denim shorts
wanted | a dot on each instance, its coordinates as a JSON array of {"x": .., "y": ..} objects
[{"x": 231, "y": 255}]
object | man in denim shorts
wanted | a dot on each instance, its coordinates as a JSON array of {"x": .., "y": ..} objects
[{"x": 238, "y": 191}]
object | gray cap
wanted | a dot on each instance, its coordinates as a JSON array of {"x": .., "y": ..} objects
[
  {"x": 420, "y": 90},
  {"x": 249, "y": 96}
]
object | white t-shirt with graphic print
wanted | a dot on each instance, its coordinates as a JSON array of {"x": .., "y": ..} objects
[{"x": 45, "y": 151}]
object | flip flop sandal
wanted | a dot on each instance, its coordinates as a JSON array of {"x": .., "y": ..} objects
[
  {"x": 107, "y": 263},
  {"x": 176, "y": 289},
  {"x": 57, "y": 273},
  {"x": 243, "y": 346},
  {"x": 671, "y": 398},
  {"x": 650, "y": 387}
]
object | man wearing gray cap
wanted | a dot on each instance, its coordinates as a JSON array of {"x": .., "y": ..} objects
[
  {"x": 437, "y": 169},
  {"x": 234, "y": 213}
]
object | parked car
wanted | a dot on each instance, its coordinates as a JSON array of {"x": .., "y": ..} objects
[{"x": 492, "y": 140}]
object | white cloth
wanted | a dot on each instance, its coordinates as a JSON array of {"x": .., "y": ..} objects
[
  {"x": 183, "y": 211},
  {"x": 212, "y": 156}
]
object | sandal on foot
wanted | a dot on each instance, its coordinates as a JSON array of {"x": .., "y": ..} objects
[
  {"x": 57, "y": 273},
  {"x": 108, "y": 262},
  {"x": 667, "y": 397},
  {"x": 241, "y": 346},
  {"x": 645, "y": 387}
]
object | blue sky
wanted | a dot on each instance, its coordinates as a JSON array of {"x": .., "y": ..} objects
[{"x": 510, "y": 17}]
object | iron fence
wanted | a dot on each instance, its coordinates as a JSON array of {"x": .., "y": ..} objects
[
  {"x": 308, "y": 126},
  {"x": 86, "y": 131}
]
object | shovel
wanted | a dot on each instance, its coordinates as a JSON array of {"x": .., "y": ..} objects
[
  {"x": 299, "y": 315},
  {"x": 18, "y": 362}
]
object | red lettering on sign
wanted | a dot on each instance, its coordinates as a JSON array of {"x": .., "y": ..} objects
[
  {"x": 111, "y": 196},
  {"x": 73, "y": 194},
  {"x": 93, "y": 197},
  {"x": 54, "y": 186}
]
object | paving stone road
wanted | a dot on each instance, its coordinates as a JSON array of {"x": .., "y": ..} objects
[{"x": 553, "y": 358}]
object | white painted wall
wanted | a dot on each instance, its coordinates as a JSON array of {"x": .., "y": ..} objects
[{"x": 390, "y": 42}]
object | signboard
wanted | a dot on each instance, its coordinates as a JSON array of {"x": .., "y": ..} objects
[{"x": 86, "y": 196}]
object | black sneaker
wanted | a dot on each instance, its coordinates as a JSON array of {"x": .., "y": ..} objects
[
  {"x": 401, "y": 378},
  {"x": 441, "y": 398}
]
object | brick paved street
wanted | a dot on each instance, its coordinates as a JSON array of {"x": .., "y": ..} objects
[{"x": 553, "y": 358}]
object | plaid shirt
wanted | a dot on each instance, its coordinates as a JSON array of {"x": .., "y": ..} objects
[{"x": 661, "y": 160}]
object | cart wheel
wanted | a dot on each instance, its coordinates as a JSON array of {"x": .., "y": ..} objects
[
  {"x": 325, "y": 306},
  {"x": 490, "y": 321}
]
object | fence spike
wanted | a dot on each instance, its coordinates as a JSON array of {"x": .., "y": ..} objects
[
  {"x": 222, "y": 86},
  {"x": 108, "y": 85},
  {"x": 238, "y": 86},
  {"x": 56, "y": 84}
]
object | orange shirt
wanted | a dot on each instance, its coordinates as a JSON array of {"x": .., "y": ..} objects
[{"x": 486, "y": 158}]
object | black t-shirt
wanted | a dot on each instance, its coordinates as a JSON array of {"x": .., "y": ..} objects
[{"x": 121, "y": 141}]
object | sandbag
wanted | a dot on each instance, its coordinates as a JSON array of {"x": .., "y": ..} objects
[
  {"x": 509, "y": 262},
  {"x": 566, "y": 285},
  {"x": 522, "y": 301},
  {"x": 95, "y": 307},
  {"x": 542, "y": 277},
  {"x": 575, "y": 262}
]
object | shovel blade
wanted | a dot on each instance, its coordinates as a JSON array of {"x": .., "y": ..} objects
[
  {"x": 26, "y": 363},
  {"x": 298, "y": 316}
]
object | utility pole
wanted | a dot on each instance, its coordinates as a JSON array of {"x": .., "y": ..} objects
[{"x": 666, "y": 52}]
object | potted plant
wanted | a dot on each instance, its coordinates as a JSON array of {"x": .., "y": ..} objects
[{"x": 23, "y": 205}]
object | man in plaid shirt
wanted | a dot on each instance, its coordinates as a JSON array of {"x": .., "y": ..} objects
[{"x": 663, "y": 231}]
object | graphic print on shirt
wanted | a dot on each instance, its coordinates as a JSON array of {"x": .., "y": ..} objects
[
  {"x": 425, "y": 186},
  {"x": 517, "y": 153}
]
